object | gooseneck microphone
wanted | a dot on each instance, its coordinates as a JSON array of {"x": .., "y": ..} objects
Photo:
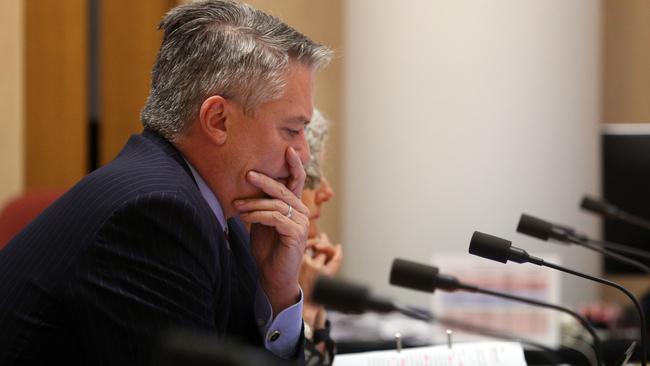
[
  {"x": 352, "y": 298},
  {"x": 608, "y": 210},
  {"x": 501, "y": 250},
  {"x": 356, "y": 299},
  {"x": 544, "y": 230},
  {"x": 422, "y": 277}
]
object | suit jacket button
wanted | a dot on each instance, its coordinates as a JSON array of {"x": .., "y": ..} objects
[{"x": 274, "y": 336}]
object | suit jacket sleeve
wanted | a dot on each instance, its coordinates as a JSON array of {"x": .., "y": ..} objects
[{"x": 153, "y": 265}]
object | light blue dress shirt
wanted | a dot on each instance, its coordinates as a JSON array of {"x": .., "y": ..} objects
[{"x": 281, "y": 334}]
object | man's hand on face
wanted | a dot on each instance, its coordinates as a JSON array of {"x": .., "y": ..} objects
[{"x": 278, "y": 239}]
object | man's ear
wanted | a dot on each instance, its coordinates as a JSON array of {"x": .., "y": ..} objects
[{"x": 212, "y": 119}]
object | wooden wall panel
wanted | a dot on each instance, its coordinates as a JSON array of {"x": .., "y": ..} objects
[
  {"x": 11, "y": 98},
  {"x": 129, "y": 41},
  {"x": 626, "y": 61},
  {"x": 55, "y": 92}
]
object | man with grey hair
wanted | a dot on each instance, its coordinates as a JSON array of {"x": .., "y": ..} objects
[{"x": 155, "y": 238}]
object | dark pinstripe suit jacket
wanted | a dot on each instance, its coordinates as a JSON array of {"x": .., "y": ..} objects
[{"x": 131, "y": 249}]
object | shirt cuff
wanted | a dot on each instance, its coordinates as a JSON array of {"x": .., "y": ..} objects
[{"x": 281, "y": 335}]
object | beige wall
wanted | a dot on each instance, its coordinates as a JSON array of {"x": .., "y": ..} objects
[
  {"x": 463, "y": 115},
  {"x": 11, "y": 98}
]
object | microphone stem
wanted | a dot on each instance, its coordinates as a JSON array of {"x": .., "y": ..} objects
[
  {"x": 635, "y": 220},
  {"x": 415, "y": 313},
  {"x": 615, "y": 256},
  {"x": 580, "y": 318},
  {"x": 621, "y": 248},
  {"x": 620, "y": 288}
]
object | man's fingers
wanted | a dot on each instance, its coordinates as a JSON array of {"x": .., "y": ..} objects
[
  {"x": 265, "y": 204},
  {"x": 276, "y": 190},
  {"x": 297, "y": 172},
  {"x": 283, "y": 225}
]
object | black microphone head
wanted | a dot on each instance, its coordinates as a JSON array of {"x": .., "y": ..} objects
[
  {"x": 415, "y": 276},
  {"x": 597, "y": 206},
  {"x": 490, "y": 247},
  {"x": 535, "y": 227},
  {"x": 341, "y": 296},
  {"x": 347, "y": 297}
]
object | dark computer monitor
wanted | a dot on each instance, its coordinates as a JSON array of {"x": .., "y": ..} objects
[{"x": 626, "y": 184}]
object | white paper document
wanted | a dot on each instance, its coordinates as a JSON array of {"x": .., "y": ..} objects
[{"x": 461, "y": 354}]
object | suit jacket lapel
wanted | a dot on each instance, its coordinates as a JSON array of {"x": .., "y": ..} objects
[
  {"x": 244, "y": 277},
  {"x": 240, "y": 246}
]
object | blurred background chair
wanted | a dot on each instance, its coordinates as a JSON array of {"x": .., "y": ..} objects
[{"x": 21, "y": 210}]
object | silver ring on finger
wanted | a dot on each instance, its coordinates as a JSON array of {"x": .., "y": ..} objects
[{"x": 290, "y": 212}]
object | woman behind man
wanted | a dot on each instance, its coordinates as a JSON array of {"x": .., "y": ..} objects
[{"x": 321, "y": 257}]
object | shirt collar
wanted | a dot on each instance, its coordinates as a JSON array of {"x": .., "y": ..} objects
[{"x": 209, "y": 197}]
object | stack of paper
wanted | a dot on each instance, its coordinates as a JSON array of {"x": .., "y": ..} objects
[{"x": 461, "y": 354}]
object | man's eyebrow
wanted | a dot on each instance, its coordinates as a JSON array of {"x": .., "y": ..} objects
[{"x": 299, "y": 119}]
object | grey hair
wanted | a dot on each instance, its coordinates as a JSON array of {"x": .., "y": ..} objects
[
  {"x": 316, "y": 133},
  {"x": 226, "y": 48}
]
